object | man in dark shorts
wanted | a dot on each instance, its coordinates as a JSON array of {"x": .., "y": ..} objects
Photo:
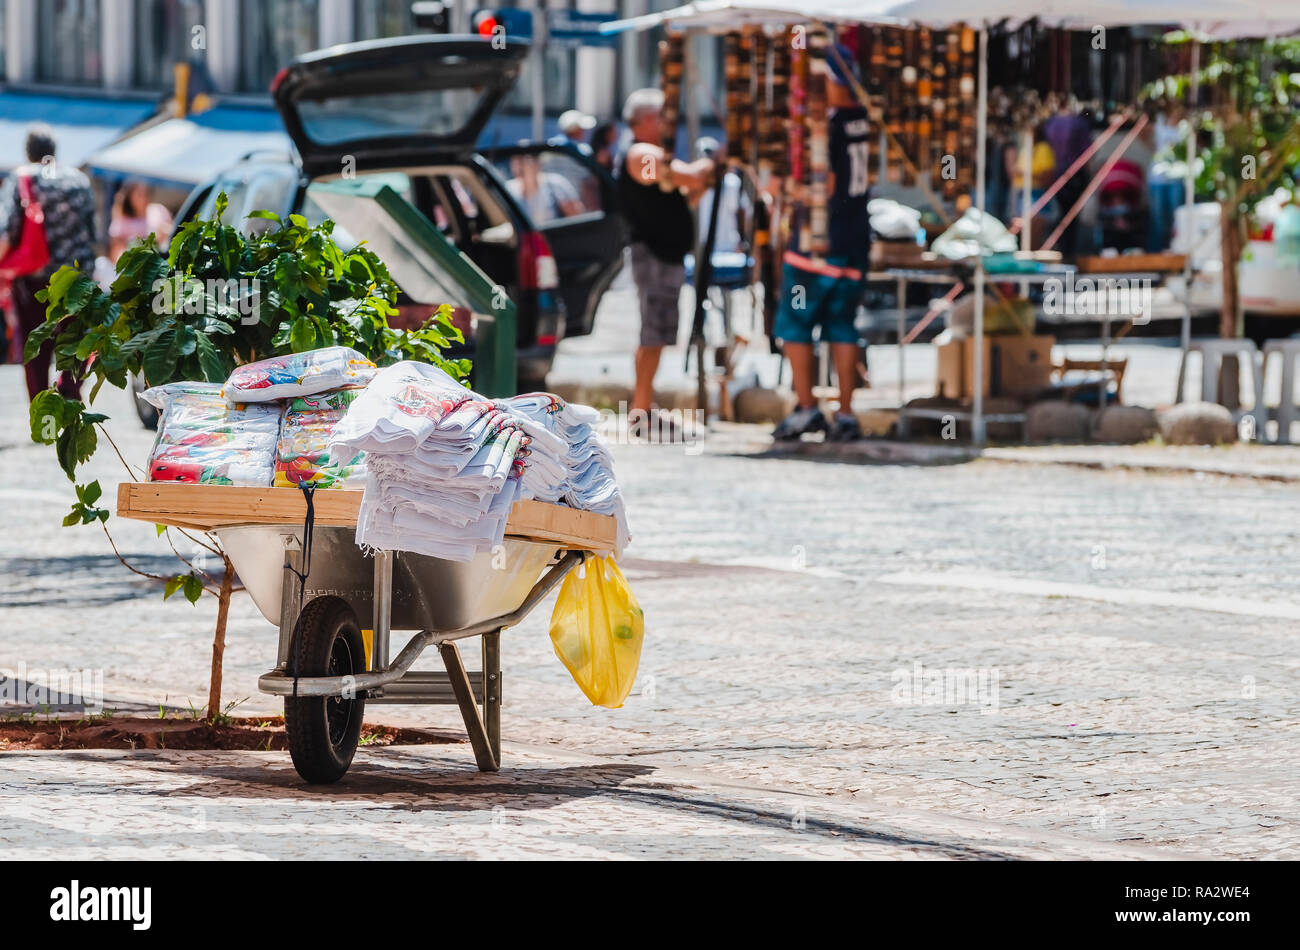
[
  {"x": 662, "y": 232},
  {"x": 825, "y": 294}
]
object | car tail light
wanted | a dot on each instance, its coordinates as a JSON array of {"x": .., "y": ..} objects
[{"x": 537, "y": 267}]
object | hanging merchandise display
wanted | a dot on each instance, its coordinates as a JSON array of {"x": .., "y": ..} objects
[{"x": 672, "y": 67}]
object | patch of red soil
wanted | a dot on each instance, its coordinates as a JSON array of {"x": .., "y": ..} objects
[{"x": 253, "y": 733}]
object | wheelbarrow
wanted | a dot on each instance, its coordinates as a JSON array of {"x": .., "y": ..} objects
[{"x": 327, "y": 665}]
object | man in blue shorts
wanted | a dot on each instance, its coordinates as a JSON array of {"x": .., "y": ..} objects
[{"x": 825, "y": 294}]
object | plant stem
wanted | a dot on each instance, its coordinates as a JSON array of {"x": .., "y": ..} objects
[
  {"x": 156, "y": 577},
  {"x": 214, "y": 548},
  {"x": 219, "y": 639},
  {"x": 125, "y": 463}
]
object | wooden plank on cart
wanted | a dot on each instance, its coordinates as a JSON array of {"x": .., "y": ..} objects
[{"x": 208, "y": 507}]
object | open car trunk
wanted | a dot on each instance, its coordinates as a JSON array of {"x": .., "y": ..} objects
[
  {"x": 392, "y": 102},
  {"x": 429, "y": 269}
]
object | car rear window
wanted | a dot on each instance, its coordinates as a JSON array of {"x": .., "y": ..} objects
[{"x": 441, "y": 112}]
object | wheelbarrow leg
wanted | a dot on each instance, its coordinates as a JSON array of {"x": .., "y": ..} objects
[
  {"x": 290, "y": 604},
  {"x": 484, "y": 752},
  {"x": 383, "y": 610},
  {"x": 492, "y": 690}
]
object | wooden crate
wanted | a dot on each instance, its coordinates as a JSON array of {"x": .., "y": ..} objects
[{"x": 207, "y": 507}]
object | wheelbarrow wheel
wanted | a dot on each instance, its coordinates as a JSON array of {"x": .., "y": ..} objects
[{"x": 323, "y": 731}]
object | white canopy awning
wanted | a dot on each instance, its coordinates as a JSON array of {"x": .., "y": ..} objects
[
  {"x": 182, "y": 153},
  {"x": 1213, "y": 18}
]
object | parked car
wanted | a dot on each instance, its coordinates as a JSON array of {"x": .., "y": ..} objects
[{"x": 411, "y": 109}]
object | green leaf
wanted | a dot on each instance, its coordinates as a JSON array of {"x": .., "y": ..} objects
[
  {"x": 302, "y": 335},
  {"x": 267, "y": 215},
  {"x": 193, "y": 589},
  {"x": 71, "y": 519},
  {"x": 229, "y": 249},
  {"x": 61, "y": 282},
  {"x": 174, "y": 584},
  {"x": 82, "y": 291},
  {"x": 86, "y": 440},
  {"x": 210, "y": 361},
  {"x": 160, "y": 359},
  {"x": 38, "y": 337},
  {"x": 186, "y": 341},
  {"x": 48, "y": 415},
  {"x": 144, "y": 340},
  {"x": 93, "y": 492},
  {"x": 161, "y": 529},
  {"x": 66, "y": 444},
  {"x": 298, "y": 221}
]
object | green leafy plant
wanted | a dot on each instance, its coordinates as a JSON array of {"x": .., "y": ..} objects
[
  {"x": 217, "y": 299},
  {"x": 1248, "y": 93}
]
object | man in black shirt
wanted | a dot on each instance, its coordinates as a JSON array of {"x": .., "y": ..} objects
[
  {"x": 826, "y": 293},
  {"x": 662, "y": 232}
]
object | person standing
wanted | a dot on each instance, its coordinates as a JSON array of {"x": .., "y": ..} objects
[
  {"x": 1166, "y": 183},
  {"x": 733, "y": 209},
  {"x": 68, "y": 203},
  {"x": 604, "y": 145},
  {"x": 135, "y": 217},
  {"x": 574, "y": 126},
  {"x": 826, "y": 294},
  {"x": 1069, "y": 133},
  {"x": 662, "y": 231},
  {"x": 1043, "y": 170},
  {"x": 546, "y": 195}
]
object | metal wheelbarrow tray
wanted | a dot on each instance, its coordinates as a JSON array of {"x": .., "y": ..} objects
[{"x": 321, "y": 636}]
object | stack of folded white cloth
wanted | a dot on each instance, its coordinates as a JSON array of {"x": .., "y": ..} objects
[
  {"x": 445, "y": 465},
  {"x": 588, "y": 467}
]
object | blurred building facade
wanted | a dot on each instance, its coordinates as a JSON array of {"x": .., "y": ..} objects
[{"x": 128, "y": 48}]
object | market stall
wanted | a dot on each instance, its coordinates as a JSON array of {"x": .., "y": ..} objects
[{"x": 946, "y": 64}]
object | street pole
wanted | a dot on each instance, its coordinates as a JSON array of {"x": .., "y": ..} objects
[
  {"x": 1189, "y": 200},
  {"x": 981, "y": 143},
  {"x": 540, "y": 38},
  {"x": 690, "y": 93}
]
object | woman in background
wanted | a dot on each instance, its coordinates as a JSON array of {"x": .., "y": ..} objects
[{"x": 135, "y": 217}]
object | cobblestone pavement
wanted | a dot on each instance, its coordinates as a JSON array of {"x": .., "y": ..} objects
[{"x": 969, "y": 660}]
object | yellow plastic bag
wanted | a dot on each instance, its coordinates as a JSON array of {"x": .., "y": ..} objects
[{"x": 597, "y": 628}]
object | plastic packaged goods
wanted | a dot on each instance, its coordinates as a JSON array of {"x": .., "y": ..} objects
[
  {"x": 302, "y": 453},
  {"x": 299, "y": 374},
  {"x": 203, "y": 440}
]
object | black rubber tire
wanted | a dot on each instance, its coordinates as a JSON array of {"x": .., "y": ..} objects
[{"x": 323, "y": 731}]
